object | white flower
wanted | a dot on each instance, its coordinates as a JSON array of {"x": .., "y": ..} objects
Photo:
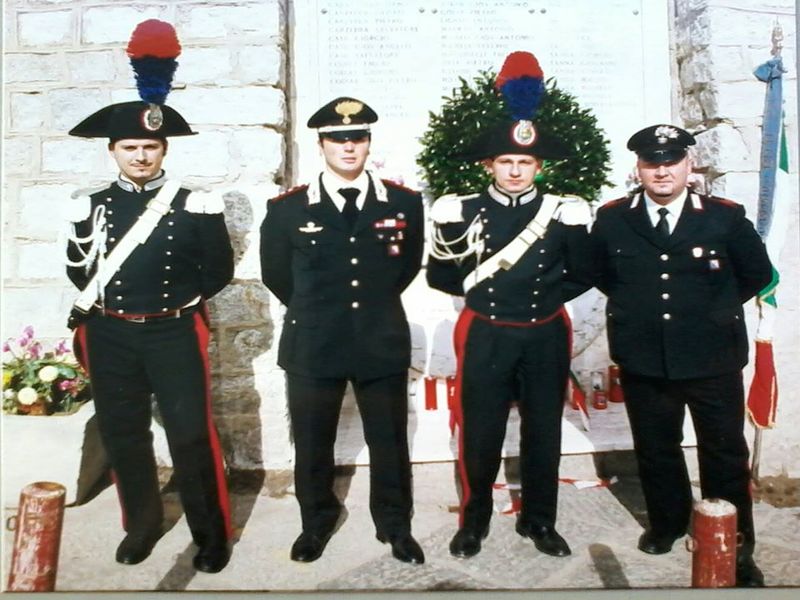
[
  {"x": 9, "y": 394},
  {"x": 48, "y": 373},
  {"x": 27, "y": 396}
]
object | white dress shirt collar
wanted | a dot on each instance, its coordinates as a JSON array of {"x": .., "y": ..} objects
[
  {"x": 333, "y": 183},
  {"x": 675, "y": 208}
]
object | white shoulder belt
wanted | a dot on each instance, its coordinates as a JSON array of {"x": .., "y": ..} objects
[
  {"x": 508, "y": 256},
  {"x": 157, "y": 207}
]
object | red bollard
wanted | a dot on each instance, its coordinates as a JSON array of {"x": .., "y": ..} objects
[
  {"x": 34, "y": 562},
  {"x": 430, "y": 393},
  {"x": 599, "y": 395},
  {"x": 713, "y": 544},
  {"x": 451, "y": 391}
]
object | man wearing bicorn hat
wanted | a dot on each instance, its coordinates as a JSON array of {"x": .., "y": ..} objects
[
  {"x": 677, "y": 266},
  {"x": 516, "y": 255},
  {"x": 147, "y": 253},
  {"x": 338, "y": 253}
]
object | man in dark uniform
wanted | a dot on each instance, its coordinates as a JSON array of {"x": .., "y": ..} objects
[
  {"x": 516, "y": 255},
  {"x": 338, "y": 253},
  {"x": 144, "y": 327},
  {"x": 677, "y": 267}
]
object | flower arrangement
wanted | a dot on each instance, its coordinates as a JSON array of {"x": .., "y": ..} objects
[{"x": 36, "y": 382}]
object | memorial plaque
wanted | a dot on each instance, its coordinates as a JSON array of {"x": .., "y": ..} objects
[{"x": 402, "y": 58}]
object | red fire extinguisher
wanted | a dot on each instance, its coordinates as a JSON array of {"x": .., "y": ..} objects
[{"x": 614, "y": 384}]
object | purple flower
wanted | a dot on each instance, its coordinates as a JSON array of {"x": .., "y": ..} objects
[
  {"x": 28, "y": 332},
  {"x": 35, "y": 350},
  {"x": 6, "y": 347},
  {"x": 61, "y": 348},
  {"x": 64, "y": 385}
]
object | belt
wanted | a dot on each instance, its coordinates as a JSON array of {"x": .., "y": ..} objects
[
  {"x": 542, "y": 321},
  {"x": 147, "y": 318}
]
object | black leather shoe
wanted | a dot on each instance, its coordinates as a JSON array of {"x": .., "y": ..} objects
[
  {"x": 212, "y": 558},
  {"x": 135, "y": 547},
  {"x": 466, "y": 543},
  {"x": 747, "y": 573},
  {"x": 546, "y": 539},
  {"x": 309, "y": 546},
  {"x": 652, "y": 543},
  {"x": 404, "y": 548}
]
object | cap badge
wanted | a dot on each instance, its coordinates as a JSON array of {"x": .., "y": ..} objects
[
  {"x": 665, "y": 132},
  {"x": 153, "y": 118},
  {"x": 347, "y": 109},
  {"x": 523, "y": 133}
]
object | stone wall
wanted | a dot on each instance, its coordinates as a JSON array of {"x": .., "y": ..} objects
[
  {"x": 718, "y": 44},
  {"x": 66, "y": 58}
]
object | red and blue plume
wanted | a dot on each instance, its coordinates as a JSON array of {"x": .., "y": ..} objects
[
  {"x": 153, "y": 48},
  {"x": 521, "y": 82}
]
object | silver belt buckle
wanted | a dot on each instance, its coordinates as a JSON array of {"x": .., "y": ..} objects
[{"x": 135, "y": 319}]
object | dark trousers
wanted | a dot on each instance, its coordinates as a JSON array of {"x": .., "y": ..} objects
[
  {"x": 656, "y": 409},
  {"x": 129, "y": 361},
  {"x": 502, "y": 364},
  {"x": 314, "y": 406}
]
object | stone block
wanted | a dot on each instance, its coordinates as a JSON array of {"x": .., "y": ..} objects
[
  {"x": 115, "y": 23},
  {"x": 243, "y": 346},
  {"x": 732, "y": 26},
  {"x": 90, "y": 67},
  {"x": 48, "y": 28},
  {"x": 28, "y": 111},
  {"x": 231, "y": 106},
  {"x": 69, "y": 106},
  {"x": 741, "y": 102},
  {"x": 734, "y": 63},
  {"x": 723, "y": 149},
  {"x": 41, "y": 207},
  {"x": 208, "y": 21},
  {"x": 44, "y": 307},
  {"x": 741, "y": 187},
  {"x": 240, "y": 436},
  {"x": 691, "y": 111},
  {"x": 40, "y": 260},
  {"x": 20, "y": 155},
  {"x": 69, "y": 156},
  {"x": 236, "y": 395},
  {"x": 696, "y": 69},
  {"x": 260, "y": 64},
  {"x": 206, "y": 65},
  {"x": 258, "y": 151},
  {"x": 242, "y": 303},
  {"x": 206, "y": 155},
  {"x": 25, "y": 68}
]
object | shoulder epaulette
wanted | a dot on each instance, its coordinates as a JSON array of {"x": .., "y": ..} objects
[
  {"x": 209, "y": 203},
  {"x": 616, "y": 202},
  {"x": 723, "y": 201},
  {"x": 289, "y": 192},
  {"x": 398, "y": 186},
  {"x": 573, "y": 210},
  {"x": 89, "y": 191},
  {"x": 448, "y": 208}
]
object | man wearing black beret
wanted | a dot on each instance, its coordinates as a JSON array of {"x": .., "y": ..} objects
[
  {"x": 147, "y": 253},
  {"x": 677, "y": 267},
  {"x": 338, "y": 253}
]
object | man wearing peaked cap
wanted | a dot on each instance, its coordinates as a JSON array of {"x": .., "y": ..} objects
[
  {"x": 338, "y": 253},
  {"x": 515, "y": 255},
  {"x": 677, "y": 266},
  {"x": 147, "y": 254}
]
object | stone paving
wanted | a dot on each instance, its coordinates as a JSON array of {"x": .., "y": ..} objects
[{"x": 601, "y": 524}]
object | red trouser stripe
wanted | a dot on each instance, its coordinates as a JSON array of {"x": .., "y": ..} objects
[
  {"x": 201, "y": 329},
  {"x": 456, "y": 414}
]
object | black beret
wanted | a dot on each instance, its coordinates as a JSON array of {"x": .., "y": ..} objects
[
  {"x": 517, "y": 137},
  {"x": 135, "y": 120},
  {"x": 343, "y": 118},
  {"x": 661, "y": 143}
]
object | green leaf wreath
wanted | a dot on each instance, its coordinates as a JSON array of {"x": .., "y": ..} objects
[{"x": 474, "y": 108}]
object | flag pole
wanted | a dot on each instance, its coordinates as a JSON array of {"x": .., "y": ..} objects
[{"x": 777, "y": 45}]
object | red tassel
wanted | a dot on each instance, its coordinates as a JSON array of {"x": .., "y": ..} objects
[
  {"x": 154, "y": 38},
  {"x": 430, "y": 393}
]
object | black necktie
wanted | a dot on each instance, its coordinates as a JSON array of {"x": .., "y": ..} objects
[
  {"x": 662, "y": 227},
  {"x": 350, "y": 210}
]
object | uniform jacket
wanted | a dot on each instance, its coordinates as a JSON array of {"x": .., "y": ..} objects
[
  {"x": 674, "y": 309},
  {"x": 342, "y": 288},
  {"x": 556, "y": 268},
  {"x": 188, "y": 253}
]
